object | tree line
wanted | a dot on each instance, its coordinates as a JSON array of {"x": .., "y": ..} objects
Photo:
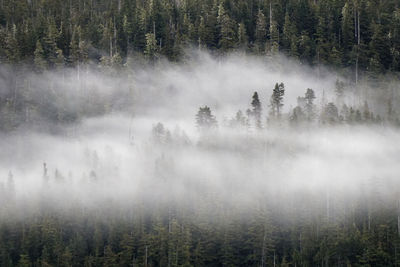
[
  {"x": 363, "y": 233},
  {"x": 358, "y": 35},
  {"x": 305, "y": 113}
]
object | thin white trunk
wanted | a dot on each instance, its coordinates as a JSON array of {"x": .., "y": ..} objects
[
  {"x": 145, "y": 260},
  {"x": 115, "y": 36},
  {"x": 357, "y": 36},
  {"x": 270, "y": 15},
  {"x": 369, "y": 220},
  {"x": 263, "y": 250},
  {"x": 398, "y": 217},
  {"x": 274, "y": 259},
  {"x": 327, "y": 204},
  {"x": 358, "y": 28},
  {"x": 355, "y": 23},
  {"x": 111, "y": 47}
]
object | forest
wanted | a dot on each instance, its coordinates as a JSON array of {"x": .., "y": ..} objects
[
  {"x": 199, "y": 133},
  {"x": 355, "y": 35}
]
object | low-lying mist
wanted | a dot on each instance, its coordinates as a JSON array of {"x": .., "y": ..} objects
[{"x": 108, "y": 153}]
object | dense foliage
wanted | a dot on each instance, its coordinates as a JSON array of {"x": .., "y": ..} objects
[
  {"x": 355, "y": 34},
  {"x": 365, "y": 236}
]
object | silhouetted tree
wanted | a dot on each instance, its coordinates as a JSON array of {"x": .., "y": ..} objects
[
  {"x": 257, "y": 109},
  {"x": 276, "y": 101},
  {"x": 205, "y": 120}
]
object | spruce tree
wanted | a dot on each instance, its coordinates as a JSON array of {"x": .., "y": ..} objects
[
  {"x": 257, "y": 109},
  {"x": 276, "y": 101},
  {"x": 205, "y": 120},
  {"x": 40, "y": 60},
  {"x": 260, "y": 32},
  {"x": 309, "y": 97}
]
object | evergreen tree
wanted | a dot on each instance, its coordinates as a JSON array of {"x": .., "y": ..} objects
[
  {"x": 309, "y": 98},
  {"x": 40, "y": 60},
  {"x": 151, "y": 46},
  {"x": 243, "y": 39},
  {"x": 260, "y": 32},
  {"x": 205, "y": 120},
  {"x": 276, "y": 101},
  {"x": 257, "y": 109},
  {"x": 227, "y": 28},
  {"x": 330, "y": 114}
]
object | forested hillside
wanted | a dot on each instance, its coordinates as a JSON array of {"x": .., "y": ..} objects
[
  {"x": 361, "y": 35},
  {"x": 199, "y": 133}
]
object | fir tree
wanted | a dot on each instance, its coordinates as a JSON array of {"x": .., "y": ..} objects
[
  {"x": 257, "y": 109},
  {"x": 276, "y": 101}
]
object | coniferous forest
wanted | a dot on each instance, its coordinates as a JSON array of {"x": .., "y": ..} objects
[
  {"x": 362, "y": 34},
  {"x": 199, "y": 133}
]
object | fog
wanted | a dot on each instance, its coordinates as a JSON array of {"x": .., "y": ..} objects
[{"x": 109, "y": 155}]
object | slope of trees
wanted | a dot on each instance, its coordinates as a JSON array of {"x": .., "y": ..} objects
[
  {"x": 361, "y": 35},
  {"x": 301, "y": 228},
  {"x": 140, "y": 239},
  {"x": 306, "y": 113}
]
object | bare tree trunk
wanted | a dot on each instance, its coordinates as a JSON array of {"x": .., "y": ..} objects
[
  {"x": 145, "y": 260},
  {"x": 79, "y": 74},
  {"x": 369, "y": 220},
  {"x": 398, "y": 217},
  {"x": 263, "y": 250},
  {"x": 357, "y": 67},
  {"x": 274, "y": 259},
  {"x": 355, "y": 23},
  {"x": 319, "y": 66},
  {"x": 357, "y": 37},
  {"x": 115, "y": 36},
  {"x": 358, "y": 28},
  {"x": 15, "y": 92},
  {"x": 327, "y": 204},
  {"x": 270, "y": 17},
  {"x": 111, "y": 47}
]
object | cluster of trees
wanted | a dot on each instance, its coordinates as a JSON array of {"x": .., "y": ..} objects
[
  {"x": 360, "y": 34},
  {"x": 361, "y": 234},
  {"x": 305, "y": 113},
  {"x": 48, "y": 101}
]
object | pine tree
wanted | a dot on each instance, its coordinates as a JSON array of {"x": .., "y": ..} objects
[
  {"x": 243, "y": 39},
  {"x": 289, "y": 32},
  {"x": 151, "y": 46},
  {"x": 50, "y": 44},
  {"x": 11, "y": 46},
  {"x": 260, "y": 32},
  {"x": 367, "y": 113},
  {"x": 257, "y": 109},
  {"x": 273, "y": 33},
  {"x": 339, "y": 91},
  {"x": 330, "y": 114},
  {"x": 309, "y": 97},
  {"x": 205, "y": 120},
  {"x": 40, "y": 60},
  {"x": 276, "y": 101},
  {"x": 227, "y": 28},
  {"x": 159, "y": 133}
]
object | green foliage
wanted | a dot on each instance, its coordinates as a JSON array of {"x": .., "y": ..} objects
[
  {"x": 357, "y": 34},
  {"x": 175, "y": 238}
]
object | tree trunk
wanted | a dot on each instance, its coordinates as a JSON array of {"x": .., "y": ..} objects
[{"x": 145, "y": 259}]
